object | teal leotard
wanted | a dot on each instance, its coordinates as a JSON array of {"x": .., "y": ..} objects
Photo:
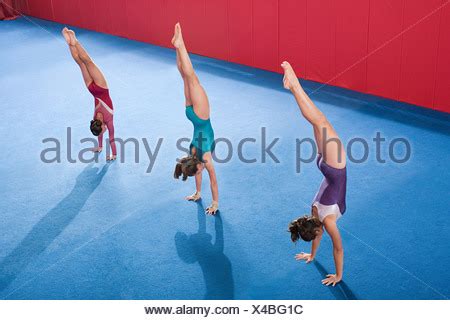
[{"x": 203, "y": 138}]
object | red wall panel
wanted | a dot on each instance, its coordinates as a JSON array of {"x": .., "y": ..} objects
[
  {"x": 66, "y": 12},
  {"x": 240, "y": 24},
  {"x": 265, "y": 35},
  {"x": 419, "y": 52},
  {"x": 118, "y": 20},
  {"x": 138, "y": 19},
  {"x": 321, "y": 40},
  {"x": 383, "y": 63},
  {"x": 442, "y": 87},
  {"x": 352, "y": 25},
  {"x": 104, "y": 12},
  {"x": 156, "y": 16},
  {"x": 216, "y": 38},
  {"x": 21, "y": 6},
  {"x": 88, "y": 14},
  {"x": 292, "y": 33},
  {"x": 193, "y": 23},
  {"x": 41, "y": 9},
  {"x": 172, "y": 15}
]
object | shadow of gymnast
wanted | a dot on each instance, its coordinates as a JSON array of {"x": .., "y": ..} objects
[
  {"x": 341, "y": 291},
  {"x": 50, "y": 226},
  {"x": 215, "y": 265}
]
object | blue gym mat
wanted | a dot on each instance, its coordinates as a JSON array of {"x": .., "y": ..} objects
[{"x": 99, "y": 231}]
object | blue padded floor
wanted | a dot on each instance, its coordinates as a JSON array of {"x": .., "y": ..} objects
[{"x": 97, "y": 231}]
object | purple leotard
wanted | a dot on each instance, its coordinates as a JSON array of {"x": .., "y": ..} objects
[{"x": 334, "y": 186}]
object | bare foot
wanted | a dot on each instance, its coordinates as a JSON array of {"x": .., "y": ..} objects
[
  {"x": 65, "y": 33},
  {"x": 177, "y": 39},
  {"x": 97, "y": 150},
  {"x": 111, "y": 158},
  {"x": 73, "y": 39},
  {"x": 290, "y": 80}
]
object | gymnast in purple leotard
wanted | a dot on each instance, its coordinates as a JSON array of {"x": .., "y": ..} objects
[{"x": 329, "y": 202}]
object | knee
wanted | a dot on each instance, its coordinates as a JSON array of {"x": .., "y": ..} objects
[
  {"x": 85, "y": 58},
  {"x": 321, "y": 121},
  {"x": 192, "y": 79}
]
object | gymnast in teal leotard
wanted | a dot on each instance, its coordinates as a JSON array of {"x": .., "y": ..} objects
[
  {"x": 203, "y": 138},
  {"x": 198, "y": 112}
]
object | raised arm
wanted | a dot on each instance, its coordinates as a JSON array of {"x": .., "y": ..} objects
[
  {"x": 112, "y": 143},
  {"x": 338, "y": 251}
]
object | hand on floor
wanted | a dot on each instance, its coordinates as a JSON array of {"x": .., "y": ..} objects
[
  {"x": 331, "y": 279},
  {"x": 304, "y": 256},
  {"x": 195, "y": 197},
  {"x": 213, "y": 208}
]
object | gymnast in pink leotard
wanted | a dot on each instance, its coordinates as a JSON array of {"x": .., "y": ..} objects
[{"x": 96, "y": 83}]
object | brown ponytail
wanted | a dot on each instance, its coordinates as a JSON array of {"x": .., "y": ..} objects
[
  {"x": 186, "y": 167},
  {"x": 305, "y": 228}
]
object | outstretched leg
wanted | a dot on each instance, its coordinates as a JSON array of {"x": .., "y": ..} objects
[
  {"x": 89, "y": 70},
  {"x": 194, "y": 92},
  {"x": 327, "y": 140},
  {"x": 74, "y": 52},
  {"x": 185, "y": 83}
]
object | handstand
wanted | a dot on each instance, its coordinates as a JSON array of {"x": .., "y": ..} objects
[{"x": 96, "y": 84}]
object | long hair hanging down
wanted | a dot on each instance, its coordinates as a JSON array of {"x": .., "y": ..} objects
[
  {"x": 305, "y": 228},
  {"x": 186, "y": 167}
]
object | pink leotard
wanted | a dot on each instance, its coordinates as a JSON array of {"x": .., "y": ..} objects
[{"x": 104, "y": 105}]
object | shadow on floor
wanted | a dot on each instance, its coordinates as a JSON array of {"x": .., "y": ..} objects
[
  {"x": 215, "y": 265},
  {"x": 341, "y": 291},
  {"x": 50, "y": 226}
]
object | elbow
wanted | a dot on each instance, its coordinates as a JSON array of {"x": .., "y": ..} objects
[{"x": 338, "y": 250}]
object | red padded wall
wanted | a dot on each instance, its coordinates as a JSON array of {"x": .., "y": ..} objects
[
  {"x": 88, "y": 14},
  {"x": 193, "y": 22},
  {"x": 352, "y": 26},
  {"x": 419, "y": 52},
  {"x": 119, "y": 23},
  {"x": 442, "y": 87},
  {"x": 21, "y": 6},
  {"x": 41, "y": 9},
  {"x": 321, "y": 40},
  {"x": 155, "y": 17},
  {"x": 66, "y": 12},
  {"x": 383, "y": 63},
  {"x": 240, "y": 25},
  {"x": 138, "y": 19},
  {"x": 172, "y": 15},
  {"x": 365, "y": 45},
  {"x": 292, "y": 34},
  {"x": 265, "y": 34},
  {"x": 216, "y": 39}
]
